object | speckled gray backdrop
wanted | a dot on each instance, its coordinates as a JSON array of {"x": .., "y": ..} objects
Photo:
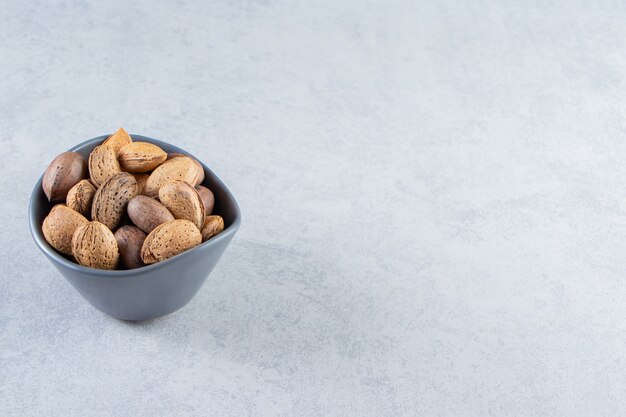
[{"x": 433, "y": 198}]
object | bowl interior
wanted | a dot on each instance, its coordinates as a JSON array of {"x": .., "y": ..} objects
[{"x": 225, "y": 206}]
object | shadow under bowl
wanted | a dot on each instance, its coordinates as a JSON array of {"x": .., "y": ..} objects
[{"x": 151, "y": 291}]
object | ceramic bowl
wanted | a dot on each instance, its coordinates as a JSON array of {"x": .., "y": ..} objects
[{"x": 150, "y": 291}]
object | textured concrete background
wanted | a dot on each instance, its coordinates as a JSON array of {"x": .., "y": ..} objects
[{"x": 433, "y": 198}]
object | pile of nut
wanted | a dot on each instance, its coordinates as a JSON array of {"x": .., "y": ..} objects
[{"x": 127, "y": 182}]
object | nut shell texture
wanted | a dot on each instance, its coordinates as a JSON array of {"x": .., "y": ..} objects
[
  {"x": 213, "y": 226},
  {"x": 118, "y": 140},
  {"x": 183, "y": 201},
  {"x": 141, "y": 181},
  {"x": 140, "y": 157},
  {"x": 170, "y": 239},
  {"x": 59, "y": 226},
  {"x": 80, "y": 197},
  {"x": 111, "y": 199},
  {"x": 178, "y": 169},
  {"x": 199, "y": 168},
  {"x": 103, "y": 164},
  {"x": 94, "y": 245}
]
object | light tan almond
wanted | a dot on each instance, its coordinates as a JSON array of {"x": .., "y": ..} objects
[
  {"x": 207, "y": 198},
  {"x": 141, "y": 181},
  {"x": 213, "y": 226},
  {"x": 177, "y": 169},
  {"x": 80, "y": 197},
  {"x": 147, "y": 213},
  {"x": 118, "y": 140},
  {"x": 141, "y": 157},
  {"x": 62, "y": 174},
  {"x": 183, "y": 201},
  {"x": 111, "y": 199},
  {"x": 103, "y": 164},
  {"x": 170, "y": 239},
  {"x": 129, "y": 242},
  {"x": 94, "y": 245},
  {"x": 199, "y": 167},
  {"x": 59, "y": 226}
]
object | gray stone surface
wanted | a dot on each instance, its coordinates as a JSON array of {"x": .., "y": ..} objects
[{"x": 433, "y": 200}]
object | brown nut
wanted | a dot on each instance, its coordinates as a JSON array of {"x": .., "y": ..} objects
[
  {"x": 94, "y": 245},
  {"x": 111, "y": 199},
  {"x": 178, "y": 169},
  {"x": 129, "y": 242},
  {"x": 141, "y": 181},
  {"x": 103, "y": 164},
  {"x": 199, "y": 167},
  {"x": 147, "y": 213},
  {"x": 59, "y": 226},
  {"x": 118, "y": 140},
  {"x": 62, "y": 174},
  {"x": 141, "y": 157},
  {"x": 213, "y": 226},
  {"x": 80, "y": 197},
  {"x": 170, "y": 239},
  {"x": 208, "y": 199},
  {"x": 183, "y": 201}
]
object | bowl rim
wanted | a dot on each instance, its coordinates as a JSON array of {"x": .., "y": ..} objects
[{"x": 54, "y": 256}]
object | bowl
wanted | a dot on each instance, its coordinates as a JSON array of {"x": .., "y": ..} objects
[{"x": 150, "y": 291}]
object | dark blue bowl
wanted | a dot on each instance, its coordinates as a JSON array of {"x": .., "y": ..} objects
[{"x": 154, "y": 290}]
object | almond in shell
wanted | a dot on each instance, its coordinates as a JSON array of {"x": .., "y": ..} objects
[
  {"x": 140, "y": 157},
  {"x": 213, "y": 226},
  {"x": 141, "y": 181},
  {"x": 178, "y": 169},
  {"x": 111, "y": 199},
  {"x": 103, "y": 164},
  {"x": 80, "y": 197},
  {"x": 147, "y": 213},
  {"x": 170, "y": 239},
  {"x": 94, "y": 245},
  {"x": 62, "y": 174},
  {"x": 118, "y": 140},
  {"x": 199, "y": 167},
  {"x": 59, "y": 226},
  {"x": 183, "y": 201}
]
